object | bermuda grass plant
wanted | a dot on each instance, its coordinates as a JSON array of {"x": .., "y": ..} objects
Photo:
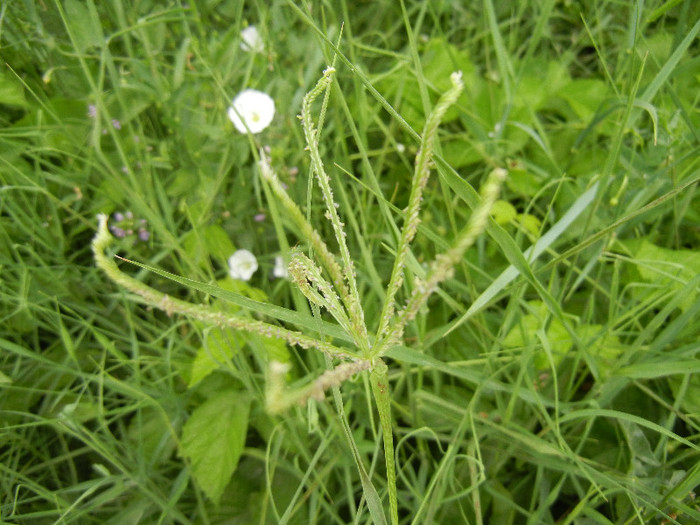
[{"x": 328, "y": 262}]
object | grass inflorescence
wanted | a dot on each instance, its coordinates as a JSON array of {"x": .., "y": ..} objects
[{"x": 456, "y": 297}]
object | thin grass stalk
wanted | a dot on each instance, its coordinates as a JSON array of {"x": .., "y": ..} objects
[
  {"x": 421, "y": 175},
  {"x": 379, "y": 379}
]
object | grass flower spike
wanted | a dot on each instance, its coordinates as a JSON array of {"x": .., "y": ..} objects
[
  {"x": 242, "y": 265},
  {"x": 171, "y": 305},
  {"x": 421, "y": 175},
  {"x": 307, "y": 262},
  {"x": 251, "y": 110}
]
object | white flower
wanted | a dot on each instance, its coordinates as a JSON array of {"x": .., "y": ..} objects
[
  {"x": 280, "y": 269},
  {"x": 242, "y": 265},
  {"x": 251, "y": 108},
  {"x": 251, "y": 40}
]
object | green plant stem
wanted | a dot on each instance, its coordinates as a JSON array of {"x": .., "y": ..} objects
[
  {"x": 203, "y": 313},
  {"x": 379, "y": 379}
]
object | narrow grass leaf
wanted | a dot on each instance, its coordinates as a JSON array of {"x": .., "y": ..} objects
[
  {"x": 533, "y": 252},
  {"x": 631, "y": 418},
  {"x": 658, "y": 369},
  {"x": 276, "y": 312}
]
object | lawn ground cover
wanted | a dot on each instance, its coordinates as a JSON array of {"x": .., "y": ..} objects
[{"x": 350, "y": 262}]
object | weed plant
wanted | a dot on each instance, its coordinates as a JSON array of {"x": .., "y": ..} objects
[{"x": 524, "y": 353}]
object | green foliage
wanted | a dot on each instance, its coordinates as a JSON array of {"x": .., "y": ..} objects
[
  {"x": 213, "y": 439},
  {"x": 552, "y": 379}
]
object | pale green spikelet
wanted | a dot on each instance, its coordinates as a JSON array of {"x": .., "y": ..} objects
[
  {"x": 442, "y": 267},
  {"x": 420, "y": 179}
]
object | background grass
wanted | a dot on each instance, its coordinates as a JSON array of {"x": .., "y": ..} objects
[{"x": 571, "y": 396}]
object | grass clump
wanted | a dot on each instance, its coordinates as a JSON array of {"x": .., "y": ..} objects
[{"x": 530, "y": 351}]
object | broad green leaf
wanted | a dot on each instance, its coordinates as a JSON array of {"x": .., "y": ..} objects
[
  {"x": 529, "y": 223},
  {"x": 11, "y": 91},
  {"x": 603, "y": 349},
  {"x": 585, "y": 96},
  {"x": 459, "y": 151},
  {"x": 183, "y": 182},
  {"x": 671, "y": 269},
  {"x": 503, "y": 212},
  {"x": 216, "y": 349},
  {"x": 540, "y": 82},
  {"x": 438, "y": 61},
  {"x": 523, "y": 182},
  {"x": 523, "y": 335},
  {"x": 639, "y": 447},
  {"x": 209, "y": 241},
  {"x": 213, "y": 440}
]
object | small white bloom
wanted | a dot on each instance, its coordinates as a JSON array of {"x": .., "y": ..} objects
[
  {"x": 280, "y": 269},
  {"x": 251, "y": 40},
  {"x": 242, "y": 265},
  {"x": 251, "y": 108}
]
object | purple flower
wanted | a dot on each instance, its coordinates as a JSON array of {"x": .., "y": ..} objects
[
  {"x": 117, "y": 231},
  {"x": 126, "y": 225},
  {"x": 117, "y": 125}
]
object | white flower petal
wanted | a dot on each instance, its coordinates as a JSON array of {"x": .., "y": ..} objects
[
  {"x": 251, "y": 108},
  {"x": 242, "y": 265},
  {"x": 280, "y": 269},
  {"x": 251, "y": 40}
]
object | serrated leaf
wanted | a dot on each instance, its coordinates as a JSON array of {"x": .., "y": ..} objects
[{"x": 213, "y": 440}]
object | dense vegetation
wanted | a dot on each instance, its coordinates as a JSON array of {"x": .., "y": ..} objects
[{"x": 553, "y": 378}]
